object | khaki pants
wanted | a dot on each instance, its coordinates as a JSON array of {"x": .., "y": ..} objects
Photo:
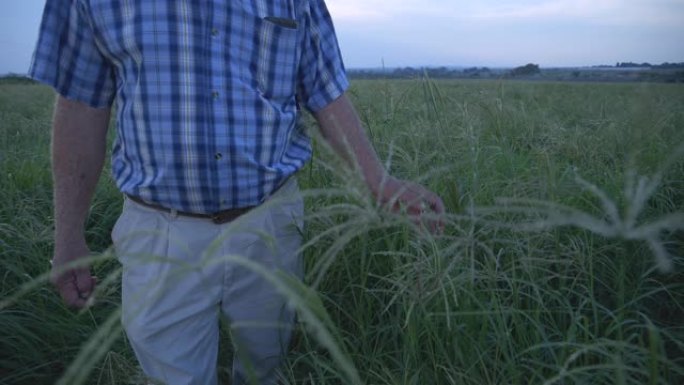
[{"x": 175, "y": 283}]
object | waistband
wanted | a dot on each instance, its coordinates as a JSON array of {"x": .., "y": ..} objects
[{"x": 220, "y": 217}]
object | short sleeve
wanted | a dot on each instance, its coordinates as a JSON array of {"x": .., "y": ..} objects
[
  {"x": 322, "y": 76},
  {"x": 67, "y": 58}
]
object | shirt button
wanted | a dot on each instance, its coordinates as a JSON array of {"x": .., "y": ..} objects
[
  {"x": 215, "y": 95},
  {"x": 214, "y": 32},
  {"x": 218, "y": 156}
]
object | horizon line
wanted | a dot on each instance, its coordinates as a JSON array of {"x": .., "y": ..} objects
[{"x": 463, "y": 66}]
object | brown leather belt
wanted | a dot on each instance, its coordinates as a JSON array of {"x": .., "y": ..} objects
[{"x": 221, "y": 217}]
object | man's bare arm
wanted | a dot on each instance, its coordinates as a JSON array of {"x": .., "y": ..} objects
[
  {"x": 79, "y": 140},
  {"x": 341, "y": 127}
]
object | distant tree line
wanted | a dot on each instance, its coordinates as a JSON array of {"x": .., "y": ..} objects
[
  {"x": 621, "y": 72},
  {"x": 416, "y": 72},
  {"x": 445, "y": 72},
  {"x": 665, "y": 65}
]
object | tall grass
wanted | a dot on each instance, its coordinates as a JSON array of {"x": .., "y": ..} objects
[{"x": 564, "y": 201}]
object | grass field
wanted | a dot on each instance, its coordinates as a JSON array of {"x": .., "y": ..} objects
[{"x": 562, "y": 261}]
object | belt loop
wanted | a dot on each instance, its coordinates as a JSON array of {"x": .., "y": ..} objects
[{"x": 173, "y": 213}]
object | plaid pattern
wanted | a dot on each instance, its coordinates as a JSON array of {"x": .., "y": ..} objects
[{"x": 207, "y": 92}]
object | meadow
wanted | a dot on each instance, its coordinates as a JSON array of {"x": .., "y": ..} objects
[{"x": 562, "y": 261}]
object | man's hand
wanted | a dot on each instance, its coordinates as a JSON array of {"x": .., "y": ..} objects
[
  {"x": 75, "y": 284},
  {"x": 424, "y": 207}
]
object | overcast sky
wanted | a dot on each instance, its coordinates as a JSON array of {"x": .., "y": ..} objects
[{"x": 458, "y": 32}]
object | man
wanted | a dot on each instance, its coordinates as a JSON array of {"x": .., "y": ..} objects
[{"x": 207, "y": 96}]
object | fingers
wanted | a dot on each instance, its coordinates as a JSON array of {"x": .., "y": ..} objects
[
  {"x": 436, "y": 204},
  {"x": 434, "y": 221},
  {"x": 425, "y": 208},
  {"x": 71, "y": 294},
  {"x": 75, "y": 286}
]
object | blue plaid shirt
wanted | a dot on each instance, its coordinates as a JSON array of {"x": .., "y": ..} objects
[{"x": 207, "y": 91}]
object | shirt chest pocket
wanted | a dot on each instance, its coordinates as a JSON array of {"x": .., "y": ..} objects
[{"x": 276, "y": 57}]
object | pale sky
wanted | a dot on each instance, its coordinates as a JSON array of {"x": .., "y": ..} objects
[{"x": 457, "y": 32}]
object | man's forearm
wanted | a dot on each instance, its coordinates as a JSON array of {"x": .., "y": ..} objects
[
  {"x": 78, "y": 150},
  {"x": 342, "y": 129}
]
